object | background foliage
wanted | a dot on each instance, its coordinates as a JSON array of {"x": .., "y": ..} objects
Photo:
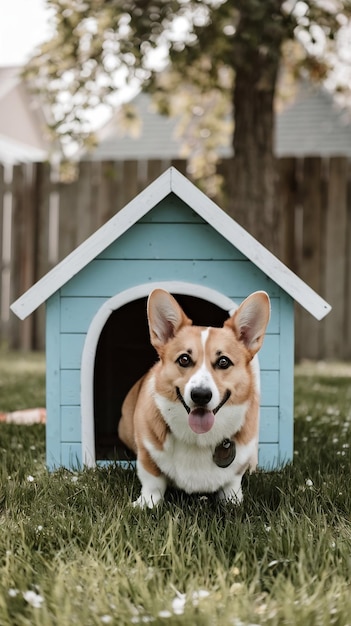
[
  {"x": 98, "y": 47},
  {"x": 224, "y": 55}
]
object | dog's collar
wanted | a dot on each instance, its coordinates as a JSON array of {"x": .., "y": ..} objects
[
  {"x": 188, "y": 409},
  {"x": 224, "y": 453}
]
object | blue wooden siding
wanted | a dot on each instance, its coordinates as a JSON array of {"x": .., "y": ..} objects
[
  {"x": 170, "y": 243},
  {"x": 53, "y": 382},
  {"x": 172, "y": 209},
  {"x": 104, "y": 278},
  {"x": 76, "y": 315},
  {"x": 286, "y": 386},
  {"x": 71, "y": 423}
]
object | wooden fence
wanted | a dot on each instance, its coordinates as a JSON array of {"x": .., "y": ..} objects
[{"x": 43, "y": 219}]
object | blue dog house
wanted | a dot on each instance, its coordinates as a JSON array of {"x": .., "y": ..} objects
[{"x": 97, "y": 344}]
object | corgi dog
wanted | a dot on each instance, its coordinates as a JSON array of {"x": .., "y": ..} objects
[{"x": 193, "y": 419}]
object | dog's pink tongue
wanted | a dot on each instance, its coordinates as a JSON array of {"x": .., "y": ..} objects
[{"x": 201, "y": 421}]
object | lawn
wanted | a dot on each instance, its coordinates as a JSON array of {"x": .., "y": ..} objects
[{"x": 73, "y": 550}]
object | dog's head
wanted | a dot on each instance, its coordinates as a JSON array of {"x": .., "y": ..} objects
[{"x": 204, "y": 369}]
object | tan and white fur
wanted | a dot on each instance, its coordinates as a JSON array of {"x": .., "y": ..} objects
[{"x": 203, "y": 390}]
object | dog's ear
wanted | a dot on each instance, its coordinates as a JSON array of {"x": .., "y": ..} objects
[
  {"x": 165, "y": 317},
  {"x": 250, "y": 320}
]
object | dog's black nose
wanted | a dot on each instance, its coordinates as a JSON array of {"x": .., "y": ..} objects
[{"x": 201, "y": 395}]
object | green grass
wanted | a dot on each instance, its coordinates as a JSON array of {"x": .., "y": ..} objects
[{"x": 87, "y": 557}]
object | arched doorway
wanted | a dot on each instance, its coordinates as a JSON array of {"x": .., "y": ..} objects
[{"x": 117, "y": 353}]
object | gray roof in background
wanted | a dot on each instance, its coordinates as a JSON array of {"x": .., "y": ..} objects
[
  {"x": 157, "y": 138},
  {"x": 310, "y": 125},
  {"x": 12, "y": 152},
  {"x": 313, "y": 125}
]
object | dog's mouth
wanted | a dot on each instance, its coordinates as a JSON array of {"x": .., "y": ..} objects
[{"x": 201, "y": 419}]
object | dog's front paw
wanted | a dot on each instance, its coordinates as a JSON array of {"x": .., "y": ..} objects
[
  {"x": 231, "y": 495},
  {"x": 152, "y": 488},
  {"x": 147, "y": 500}
]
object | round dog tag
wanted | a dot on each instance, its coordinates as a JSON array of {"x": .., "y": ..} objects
[{"x": 224, "y": 453}]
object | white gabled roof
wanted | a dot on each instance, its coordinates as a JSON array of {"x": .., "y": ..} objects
[{"x": 171, "y": 181}]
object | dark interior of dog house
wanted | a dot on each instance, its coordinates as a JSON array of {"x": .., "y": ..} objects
[{"x": 123, "y": 355}]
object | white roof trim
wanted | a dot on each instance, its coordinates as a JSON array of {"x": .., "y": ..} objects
[{"x": 170, "y": 181}]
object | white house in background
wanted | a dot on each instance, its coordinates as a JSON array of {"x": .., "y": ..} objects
[
  {"x": 22, "y": 121},
  {"x": 312, "y": 124}
]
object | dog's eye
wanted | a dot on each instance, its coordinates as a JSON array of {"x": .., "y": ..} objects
[
  {"x": 184, "y": 360},
  {"x": 223, "y": 363}
]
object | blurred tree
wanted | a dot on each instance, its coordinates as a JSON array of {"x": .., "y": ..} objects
[{"x": 215, "y": 51}]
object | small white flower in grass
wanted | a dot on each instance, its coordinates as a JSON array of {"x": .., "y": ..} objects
[
  {"x": 309, "y": 483},
  {"x": 33, "y": 598},
  {"x": 236, "y": 588},
  {"x": 165, "y": 614},
  {"x": 178, "y": 604},
  {"x": 13, "y": 593},
  {"x": 39, "y": 528},
  {"x": 30, "y": 479},
  {"x": 74, "y": 479},
  {"x": 106, "y": 619},
  {"x": 199, "y": 595}
]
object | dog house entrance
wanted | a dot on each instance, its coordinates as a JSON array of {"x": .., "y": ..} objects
[{"x": 123, "y": 355}]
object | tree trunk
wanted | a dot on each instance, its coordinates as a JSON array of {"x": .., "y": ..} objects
[{"x": 255, "y": 172}]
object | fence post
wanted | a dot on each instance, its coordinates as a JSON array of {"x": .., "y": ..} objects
[
  {"x": 335, "y": 268},
  {"x": 23, "y": 248},
  {"x": 310, "y": 269}
]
